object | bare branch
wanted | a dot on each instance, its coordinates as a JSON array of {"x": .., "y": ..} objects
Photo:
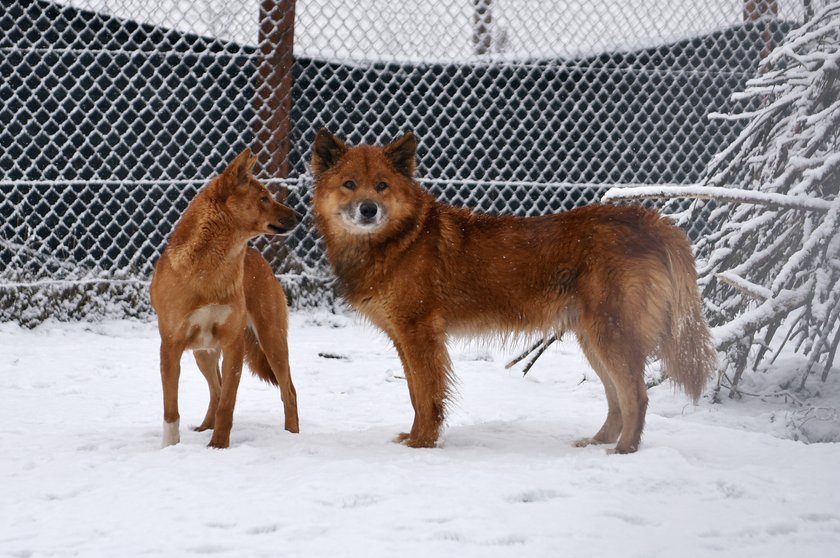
[{"x": 539, "y": 348}]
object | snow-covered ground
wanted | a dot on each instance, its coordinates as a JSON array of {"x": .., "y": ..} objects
[{"x": 82, "y": 473}]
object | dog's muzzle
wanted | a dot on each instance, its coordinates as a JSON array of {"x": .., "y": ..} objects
[
  {"x": 284, "y": 225},
  {"x": 366, "y": 215}
]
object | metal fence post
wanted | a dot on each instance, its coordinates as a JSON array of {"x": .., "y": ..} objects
[{"x": 482, "y": 27}]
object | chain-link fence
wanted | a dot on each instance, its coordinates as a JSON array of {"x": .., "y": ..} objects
[{"x": 114, "y": 112}]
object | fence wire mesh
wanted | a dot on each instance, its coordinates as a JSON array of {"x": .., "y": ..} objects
[{"x": 114, "y": 113}]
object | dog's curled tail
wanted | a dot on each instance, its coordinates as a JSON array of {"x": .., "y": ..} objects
[
  {"x": 688, "y": 355},
  {"x": 257, "y": 361}
]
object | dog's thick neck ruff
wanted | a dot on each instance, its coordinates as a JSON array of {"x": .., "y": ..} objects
[{"x": 357, "y": 254}]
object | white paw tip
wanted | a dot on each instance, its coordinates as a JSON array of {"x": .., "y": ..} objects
[{"x": 171, "y": 433}]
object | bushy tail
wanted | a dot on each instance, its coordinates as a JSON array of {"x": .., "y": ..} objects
[
  {"x": 688, "y": 355},
  {"x": 257, "y": 361}
]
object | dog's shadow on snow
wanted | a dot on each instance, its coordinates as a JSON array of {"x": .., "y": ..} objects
[
  {"x": 512, "y": 437},
  {"x": 480, "y": 440}
]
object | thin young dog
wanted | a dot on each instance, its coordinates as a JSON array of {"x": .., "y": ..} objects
[
  {"x": 621, "y": 277},
  {"x": 217, "y": 296}
]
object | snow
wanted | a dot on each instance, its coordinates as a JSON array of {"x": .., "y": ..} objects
[
  {"x": 83, "y": 473},
  {"x": 377, "y": 30}
]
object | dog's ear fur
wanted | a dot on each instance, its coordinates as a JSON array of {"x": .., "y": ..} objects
[
  {"x": 240, "y": 169},
  {"x": 326, "y": 152},
  {"x": 402, "y": 153}
]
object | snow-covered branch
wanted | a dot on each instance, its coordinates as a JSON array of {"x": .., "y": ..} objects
[
  {"x": 748, "y": 287},
  {"x": 721, "y": 194},
  {"x": 755, "y": 319}
]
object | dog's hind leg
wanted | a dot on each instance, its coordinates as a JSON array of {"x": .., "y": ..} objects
[
  {"x": 279, "y": 359},
  {"x": 233, "y": 355},
  {"x": 627, "y": 369},
  {"x": 267, "y": 344},
  {"x": 208, "y": 363},
  {"x": 170, "y": 373},
  {"x": 268, "y": 357},
  {"x": 611, "y": 429}
]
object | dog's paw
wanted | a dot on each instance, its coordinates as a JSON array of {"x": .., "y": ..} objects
[
  {"x": 618, "y": 450},
  {"x": 593, "y": 441},
  {"x": 416, "y": 443},
  {"x": 406, "y": 439},
  {"x": 171, "y": 433},
  {"x": 219, "y": 442},
  {"x": 203, "y": 427}
]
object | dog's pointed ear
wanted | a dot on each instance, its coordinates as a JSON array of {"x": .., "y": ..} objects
[
  {"x": 326, "y": 151},
  {"x": 241, "y": 167},
  {"x": 402, "y": 153}
]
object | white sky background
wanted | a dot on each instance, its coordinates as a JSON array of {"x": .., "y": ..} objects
[{"x": 441, "y": 30}]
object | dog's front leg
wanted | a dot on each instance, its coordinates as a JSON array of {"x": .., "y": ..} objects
[
  {"x": 428, "y": 370},
  {"x": 170, "y": 372},
  {"x": 233, "y": 356}
]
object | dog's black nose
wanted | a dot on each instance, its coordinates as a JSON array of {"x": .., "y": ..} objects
[{"x": 368, "y": 210}]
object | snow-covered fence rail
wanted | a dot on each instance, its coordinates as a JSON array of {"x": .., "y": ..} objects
[{"x": 114, "y": 112}]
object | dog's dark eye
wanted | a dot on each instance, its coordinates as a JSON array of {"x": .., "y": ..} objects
[
  {"x": 264, "y": 200},
  {"x": 350, "y": 185},
  {"x": 381, "y": 187}
]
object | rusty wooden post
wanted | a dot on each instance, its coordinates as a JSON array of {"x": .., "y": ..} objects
[
  {"x": 274, "y": 88},
  {"x": 273, "y": 126},
  {"x": 761, "y": 12}
]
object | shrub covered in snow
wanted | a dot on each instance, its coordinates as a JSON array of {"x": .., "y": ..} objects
[{"x": 770, "y": 274}]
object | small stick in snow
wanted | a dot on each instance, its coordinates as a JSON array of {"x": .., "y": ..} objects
[
  {"x": 335, "y": 356},
  {"x": 540, "y": 347}
]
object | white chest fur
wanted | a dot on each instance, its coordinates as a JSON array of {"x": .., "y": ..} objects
[{"x": 202, "y": 325}]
